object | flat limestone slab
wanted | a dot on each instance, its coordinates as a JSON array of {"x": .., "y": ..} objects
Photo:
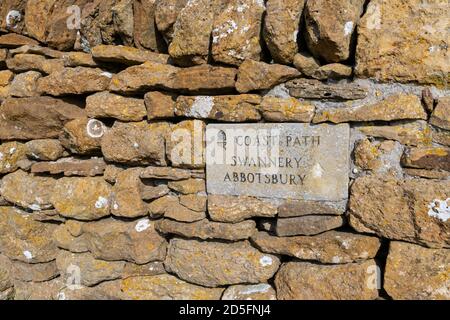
[{"x": 284, "y": 161}]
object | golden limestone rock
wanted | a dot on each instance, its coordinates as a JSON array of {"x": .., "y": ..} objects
[{"x": 214, "y": 264}]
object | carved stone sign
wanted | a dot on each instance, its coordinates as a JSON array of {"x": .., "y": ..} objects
[{"x": 286, "y": 161}]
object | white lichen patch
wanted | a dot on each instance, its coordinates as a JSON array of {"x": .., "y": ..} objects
[
  {"x": 266, "y": 261},
  {"x": 12, "y": 150},
  {"x": 201, "y": 108},
  {"x": 348, "y": 28},
  {"x": 13, "y": 18},
  {"x": 107, "y": 74},
  {"x": 258, "y": 288},
  {"x": 439, "y": 209},
  {"x": 336, "y": 259},
  {"x": 142, "y": 225},
  {"x": 35, "y": 207},
  {"x": 101, "y": 203},
  {"x": 28, "y": 254}
]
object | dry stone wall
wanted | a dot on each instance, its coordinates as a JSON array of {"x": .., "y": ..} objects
[{"x": 106, "y": 188}]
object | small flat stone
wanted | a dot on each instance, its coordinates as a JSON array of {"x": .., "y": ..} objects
[
  {"x": 236, "y": 209},
  {"x": 205, "y": 229},
  {"x": 307, "y": 225},
  {"x": 166, "y": 287},
  {"x": 330, "y": 247},
  {"x": 71, "y": 167},
  {"x": 236, "y": 108},
  {"x": 441, "y": 114},
  {"x": 415, "y": 133},
  {"x": 160, "y": 105},
  {"x": 45, "y": 149},
  {"x": 314, "y": 89},
  {"x": 79, "y": 80},
  {"x": 127, "y": 55},
  {"x": 298, "y": 208},
  {"x": 427, "y": 158},
  {"x": 255, "y": 75},
  {"x": 394, "y": 107},
  {"x": 109, "y": 105},
  {"x": 286, "y": 109}
]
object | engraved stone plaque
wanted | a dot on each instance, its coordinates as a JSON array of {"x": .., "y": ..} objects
[{"x": 284, "y": 161}]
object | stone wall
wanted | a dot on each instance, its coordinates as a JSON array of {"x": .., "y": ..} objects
[{"x": 96, "y": 202}]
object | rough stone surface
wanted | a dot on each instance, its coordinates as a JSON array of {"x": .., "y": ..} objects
[
  {"x": 237, "y": 108},
  {"x": 427, "y": 158},
  {"x": 417, "y": 273},
  {"x": 24, "y": 239},
  {"x": 255, "y": 75},
  {"x": 286, "y": 110},
  {"x": 45, "y": 149},
  {"x": 396, "y": 107},
  {"x": 297, "y": 208},
  {"x": 236, "y": 209},
  {"x": 205, "y": 79},
  {"x": 82, "y": 198},
  {"x": 192, "y": 32},
  {"x": 136, "y": 242},
  {"x": 332, "y": 247},
  {"x": 385, "y": 48},
  {"x": 71, "y": 167},
  {"x": 214, "y": 264},
  {"x": 170, "y": 207},
  {"x": 82, "y": 135},
  {"x": 330, "y": 26},
  {"x": 166, "y": 14},
  {"x": 34, "y": 62},
  {"x": 166, "y": 287},
  {"x": 92, "y": 271},
  {"x": 314, "y": 89},
  {"x": 307, "y": 281},
  {"x": 307, "y": 225},
  {"x": 281, "y": 28},
  {"x": 416, "y": 133},
  {"x": 144, "y": 77},
  {"x": 79, "y": 80},
  {"x": 333, "y": 71},
  {"x": 35, "y": 118},
  {"x": 206, "y": 229},
  {"x": 441, "y": 114},
  {"x": 127, "y": 55},
  {"x": 134, "y": 142},
  {"x": 11, "y": 156},
  {"x": 107, "y": 105},
  {"x": 126, "y": 195},
  {"x": 28, "y": 191},
  {"x": 146, "y": 35},
  {"x": 159, "y": 105},
  {"x": 236, "y": 32},
  {"x": 411, "y": 210}
]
